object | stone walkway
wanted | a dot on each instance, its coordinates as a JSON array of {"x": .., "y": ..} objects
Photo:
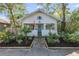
[{"x": 39, "y": 43}]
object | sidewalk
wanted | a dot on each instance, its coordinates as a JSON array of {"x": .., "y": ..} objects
[{"x": 35, "y": 51}]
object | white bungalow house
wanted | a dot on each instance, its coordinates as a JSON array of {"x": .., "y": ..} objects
[{"x": 47, "y": 23}]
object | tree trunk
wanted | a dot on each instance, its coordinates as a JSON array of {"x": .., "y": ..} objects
[
  {"x": 63, "y": 18},
  {"x": 13, "y": 21}
]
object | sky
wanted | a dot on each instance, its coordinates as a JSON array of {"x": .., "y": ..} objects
[{"x": 33, "y": 6}]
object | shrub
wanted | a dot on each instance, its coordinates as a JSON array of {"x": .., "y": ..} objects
[
  {"x": 6, "y": 36},
  {"x": 70, "y": 37},
  {"x": 74, "y": 38},
  {"x": 63, "y": 35},
  {"x": 52, "y": 38},
  {"x": 3, "y": 35},
  {"x": 22, "y": 33},
  {"x": 25, "y": 29},
  {"x": 20, "y": 38}
]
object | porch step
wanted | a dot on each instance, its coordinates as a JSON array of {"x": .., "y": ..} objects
[{"x": 39, "y": 42}]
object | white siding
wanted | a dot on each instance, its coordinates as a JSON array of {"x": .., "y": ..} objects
[{"x": 45, "y": 20}]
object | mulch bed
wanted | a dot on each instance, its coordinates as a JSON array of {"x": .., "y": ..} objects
[{"x": 14, "y": 43}]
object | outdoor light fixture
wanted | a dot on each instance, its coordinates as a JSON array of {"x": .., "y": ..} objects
[{"x": 39, "y": 17}]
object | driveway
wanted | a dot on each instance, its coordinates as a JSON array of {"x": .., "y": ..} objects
[{"x": 38, "y": 51}]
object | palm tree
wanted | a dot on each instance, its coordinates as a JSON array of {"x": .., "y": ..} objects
[
  {"x": 62, "y": 12},
  {"x": 63, "y": 17},
  {"x": 12, "y": 9}
]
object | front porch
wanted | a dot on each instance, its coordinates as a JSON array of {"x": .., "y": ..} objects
[
  {"x": 45, "y": 29},
  {"x": 44, "y": 32}
]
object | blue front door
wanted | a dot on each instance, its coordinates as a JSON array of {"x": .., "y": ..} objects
[{"x": 39, "y": 30}]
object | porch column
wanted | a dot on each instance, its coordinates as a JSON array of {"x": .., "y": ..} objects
[
  {"x": 44, "y": 26},
  {"x": 56, "y": 27}
]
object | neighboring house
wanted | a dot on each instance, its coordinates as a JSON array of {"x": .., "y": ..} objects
[
  {"x": 3, "y": 23},
  {"x": 47, "y": 23}
]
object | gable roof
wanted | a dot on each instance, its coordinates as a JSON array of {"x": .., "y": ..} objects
[{"x": 38, "y": 10}]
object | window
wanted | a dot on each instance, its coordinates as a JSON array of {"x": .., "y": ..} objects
[
  {"x": 36, "y": 26},
  {"x": 50, "y": 26},
  {"x": 30, "y": 26}
]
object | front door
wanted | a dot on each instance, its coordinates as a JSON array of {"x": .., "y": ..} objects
[{"x": 40, "y": 27}]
